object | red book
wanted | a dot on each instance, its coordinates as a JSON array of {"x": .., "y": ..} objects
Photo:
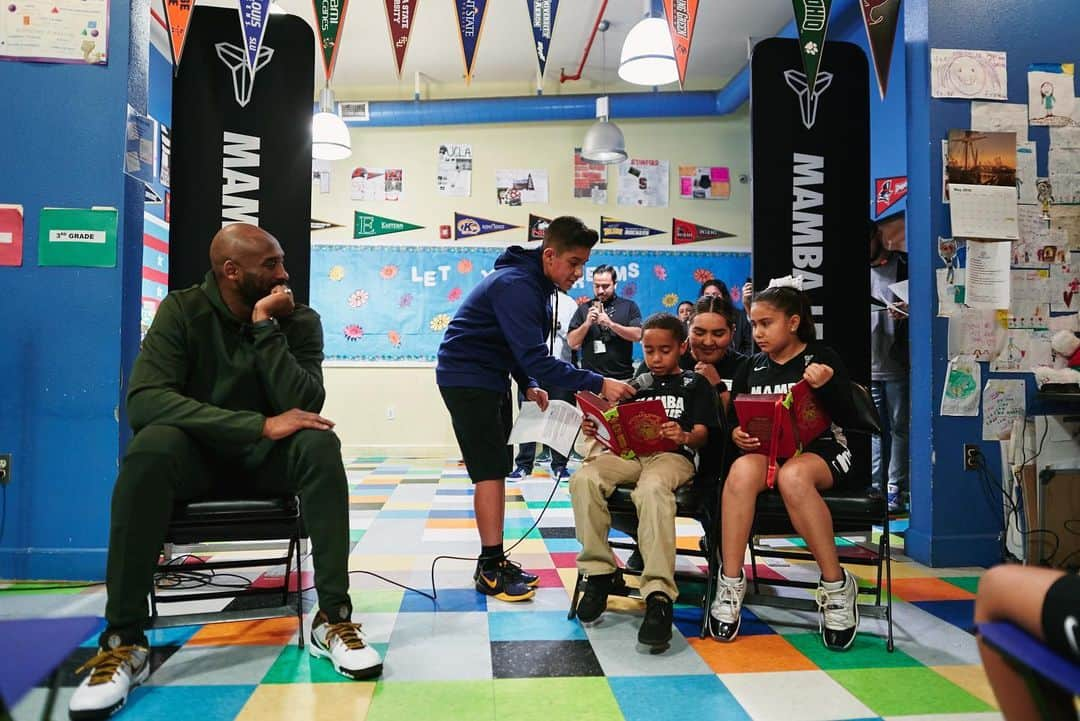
[
  {"x": 785, "y": 423},
  {"x": 627, "y": 429}
]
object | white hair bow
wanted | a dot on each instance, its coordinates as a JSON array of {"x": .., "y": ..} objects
[{"x": 788, "y": 281}]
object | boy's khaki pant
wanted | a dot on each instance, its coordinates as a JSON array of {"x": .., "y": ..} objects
[{"x": 655, "y": 477}]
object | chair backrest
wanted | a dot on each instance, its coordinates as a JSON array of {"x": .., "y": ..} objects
[{"x": 865, "y": 418}]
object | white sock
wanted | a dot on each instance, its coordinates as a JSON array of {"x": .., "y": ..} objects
[
  {"x": 730, "y": 580},
  {"x": 833, "y": 585}
]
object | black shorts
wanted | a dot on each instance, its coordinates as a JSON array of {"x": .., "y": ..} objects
[
  {"x": 1061, "y": 616},
  {"x": 482, "y": 420},
  {"x": 836, "y": 456}
]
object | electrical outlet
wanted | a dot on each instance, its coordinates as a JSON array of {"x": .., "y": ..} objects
[
  {"x": 972, "y": 455},
  {"x": 389, "y": 413},
  {"x": 5, "y": 469}
]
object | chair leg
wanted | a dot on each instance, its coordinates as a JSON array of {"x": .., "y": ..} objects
[
  {"x": 299, "y": 595},
  {"x": 888, "y": 583},
  {"x": 753, "y": 563},
  {"x": 574, "y": 598},
  {"x": 710, "y": 583}
]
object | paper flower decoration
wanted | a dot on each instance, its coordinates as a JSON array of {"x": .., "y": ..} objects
[
  {"x": 358, "y": 298},
  {"x": 440, "y": 322},
  {"x": 394, "y": 337},
  {"x": 703, "y": 274},
  {"x": 454, "y": 295},
  {"x": 670, "y": 300},
  {"x": 388, "y": 272},
  {"x": 337, "y": 273},
  {"x": 660, "y": 272},
  {"x": 464, "y": 266},
  {"x": 406, "y": 300},
  {"x": 353, "y": 332}
]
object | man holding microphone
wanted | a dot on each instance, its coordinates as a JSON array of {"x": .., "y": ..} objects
[
  {"x": 502, "y": 330},
  {"x": 606, "y": 329}
]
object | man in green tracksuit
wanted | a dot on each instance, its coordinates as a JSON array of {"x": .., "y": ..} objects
[{"x": 224, "y": 398}]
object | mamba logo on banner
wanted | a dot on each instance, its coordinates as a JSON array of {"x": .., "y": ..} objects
[
  {"x": 681, "y": 16},
  {"x": 177, "y": 18},
  {"x": 253, "y": 21},
  {"x": 612, "y": 230},
  {"x": 879, "y": 17},
  {"x": 330, "y": 15},
  {"x": 683, "y": 231},
  {"x": 470, "y": 15},
  {"x": 537, "y": 228},
  {"x": 542, "y": 14},
  {"x": 366, "y": 225},
  {"x": 400, "y": 15},
  {"x": 811, "y": 20},
  {"x": 468, "y": 226}
]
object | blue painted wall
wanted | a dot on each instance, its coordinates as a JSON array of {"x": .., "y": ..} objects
[
  {"x": 951, "y": 523},
  {"x": 66, "y": 329}
]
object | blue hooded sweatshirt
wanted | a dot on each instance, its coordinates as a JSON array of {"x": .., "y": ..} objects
[{"x": 501, "y": 330}]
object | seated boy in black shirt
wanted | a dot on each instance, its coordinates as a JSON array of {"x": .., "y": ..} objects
[{"x": 691, "y": 406}]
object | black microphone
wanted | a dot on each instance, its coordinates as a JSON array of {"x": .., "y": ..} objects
[{"x": 642, "y": 382}]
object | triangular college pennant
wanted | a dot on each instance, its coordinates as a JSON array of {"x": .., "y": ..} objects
[
  {"x": 470, "y": 15},
  {"x": 542, "y": 16},
  {"x": 330, "y": 21},
  {"x": 400, "y": 14},
  {"x": 177, "y": 21},
  {"x": 366, "y": 225},
  {"x": 537, "y": 228},
  {"x": 681, "y": 16},
  {"x": 879, "y": 17},
  {"x": 612, "y": 230},
  {"x": 468, "y": 226},
  {"x": 683, "y": 231},
  {"x": 811, "y": 21}
]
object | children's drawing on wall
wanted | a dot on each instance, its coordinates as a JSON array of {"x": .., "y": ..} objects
[
  {"x": 968, "y": 74},
  {"x": 960, "y": 396},
  {"x": 1050, "y": 94}
]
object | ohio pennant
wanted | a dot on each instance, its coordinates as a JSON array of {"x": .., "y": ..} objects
[
  {"x": 811, "y": 20},
  {"x": 470, "y": 15},
  {"x": 330, "y": 19},
  {"x": 683, "y": 231},
  {"x": 542, "y": 15},
  {"x": 879, "y": 17},
  {"x": 400, "y": 14},
  {"x": 681, "y": 16}
]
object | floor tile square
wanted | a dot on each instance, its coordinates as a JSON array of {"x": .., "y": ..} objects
[
  {"x": 448, "y": 600},
  {"x": 433, "y": 700},
  {"x": 265, "y": 632},
  {"x": 543, "y": 659},
  {"x": 624, "y": 656},
  {"x": 794, "y": 696},
  {"x": 216, "y": 666},
  {"x": 422, "y": 643},
  {"x": 959, "y": 613},
  {"x": 929, "y": 589},
  {"x": 970, "y": 678},
  {"x": 534, "y": 626},
  {"x": 865, "y": 652},
  {"x": 555, "y": 699},
  {"x": 897, "y": 691},
  {"x": 564, "y": 559},
  {"x": 296, "y": 665},
  {"x": 285, "y": 702},
  {"x": 752, "y": 654},
  {"x": 676, "y": 697},
  {"x": 968, "y": 583},
  {"x": 376, "y": 600},
  {"x": 186, "y": 703}
]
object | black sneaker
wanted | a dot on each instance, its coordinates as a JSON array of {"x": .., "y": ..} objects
[
  {"x": 655, "y": 630},
  {"x": 635, "y": 562},
  {"x": 520, "y": 472},
  {"x": 513, "y": 572},
  {"x": 593, "y": 600},
  {"x": 839, "y": 613},
  {"x": 500, "y": 584}
]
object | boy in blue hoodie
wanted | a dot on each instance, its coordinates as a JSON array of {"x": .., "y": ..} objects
[{"x": 502, "y": 330}]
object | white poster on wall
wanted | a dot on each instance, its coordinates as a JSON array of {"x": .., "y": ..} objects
[
  {"x": 643, "y": 183},
  {"x": 515, "y": 187},
  {"x": 454, "y": 171},
  {"x": 368, "y": 184},
  {"x": 968, "y": 74}
]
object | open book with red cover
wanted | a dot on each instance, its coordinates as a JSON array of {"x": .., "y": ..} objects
[
  {"x": 627, "y": 429},
  {"x": 785, "y": 423}
]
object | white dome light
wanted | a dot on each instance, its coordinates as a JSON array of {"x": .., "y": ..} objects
[
  {"x": 330, "y": 139},
  {"x": 647, "y": 56}
]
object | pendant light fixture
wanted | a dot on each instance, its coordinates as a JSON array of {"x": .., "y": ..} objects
[
  {"x": 604, "y": 142},
  {"x": 647, "y": 54},
  {"x": 330, "y": 138}
]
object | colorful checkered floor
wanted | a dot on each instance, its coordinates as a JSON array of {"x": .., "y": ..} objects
[{"x": 466, "y": 657}]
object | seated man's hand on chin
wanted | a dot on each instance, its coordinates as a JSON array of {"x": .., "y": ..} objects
[{"x": 278, "y": 304}]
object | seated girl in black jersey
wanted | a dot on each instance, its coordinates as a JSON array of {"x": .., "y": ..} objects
[{"x": 784, "y": 330}]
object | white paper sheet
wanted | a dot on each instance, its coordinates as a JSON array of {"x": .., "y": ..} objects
[
  {"x": 556, "y": 427},
  {"x": 1000, "y": 117},
  {"x": 1066, "y": 187},
  {"x": 1026, "y": 173},
  {"x": 643, "y": 183},
  {"x": 977, "y": 332},
  {"x": 1050, "y": 94},
  {"x": 960, "y": 396},
  {"x": 988, "y": 276},
  {"x": 1065, "y": 137},
  {"x": 983, "y": 211},
  {"x": 947, "y": 305},
  {"x": 1003, "y": 403},
  {"x": 527, "y": 185},
  {"x": 454, "y": 169},
  {"x": 900, "y": 290},
  {"x": 968, "y": 74}
]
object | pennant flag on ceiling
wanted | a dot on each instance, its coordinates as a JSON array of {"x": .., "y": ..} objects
[
  {"x": 879, "y": 17},
  {"x": 366, "y": 225},
  {"x": 468, "y": 226},
  {"x": 317, "y": 224},
  {"x": 612, "y": 230},
  {"x": 542, "y": 14},
  {"x": 470, "y": 14},
  {"x": 253, "y": 19},
  {"x": 681, "y": 16},
  {"x": 177, "y": 20},
  {"x": 330, "y": 16},
  {"x": 683, "y": 231},
  {"x": 537, "y": 227},
  {"x": 811, "y": 20},
  {"x": 400, "y": 14},
  {"x": 888, "y": 192}
]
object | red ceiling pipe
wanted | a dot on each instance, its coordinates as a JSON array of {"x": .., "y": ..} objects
[{"x": 563, "y": 77}]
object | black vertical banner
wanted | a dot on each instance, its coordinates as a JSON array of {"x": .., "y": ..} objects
[
  {"x": 241, "y": 142},
  {"x": 811, "y": 174}
]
